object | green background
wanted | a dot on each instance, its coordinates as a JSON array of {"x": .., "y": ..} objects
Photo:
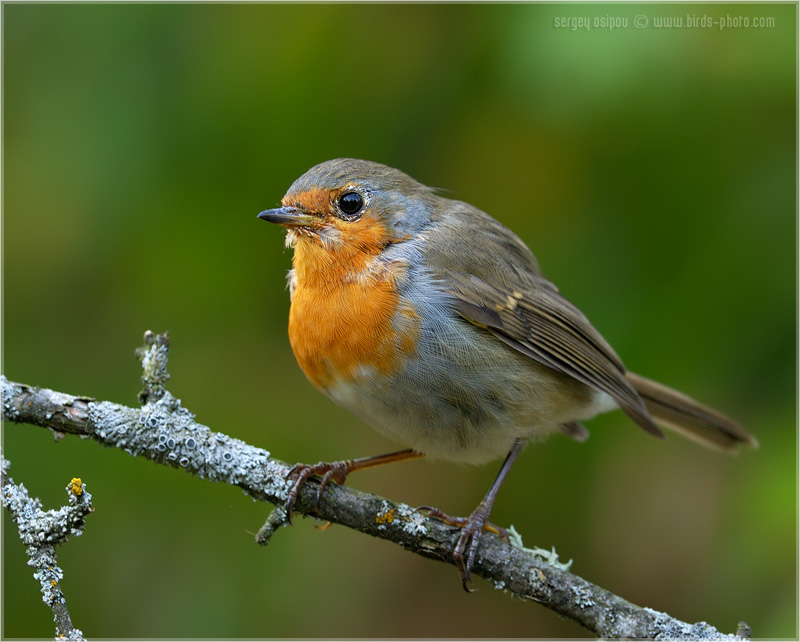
[{"x": 651, "y": 170}]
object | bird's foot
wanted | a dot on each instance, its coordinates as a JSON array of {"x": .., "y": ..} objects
[
  {"x": 336, "y": 471},
  {"x": 467, "y": 545}
]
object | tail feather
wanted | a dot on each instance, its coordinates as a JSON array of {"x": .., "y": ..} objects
[{"x": 685, "y": 415}]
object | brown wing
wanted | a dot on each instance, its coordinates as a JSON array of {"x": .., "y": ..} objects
[{"x": 542, "y": 324}]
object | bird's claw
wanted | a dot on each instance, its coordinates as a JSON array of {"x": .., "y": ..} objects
[
  {"x": 336, "y": 471},
  {"x": 466, "y": 547}
]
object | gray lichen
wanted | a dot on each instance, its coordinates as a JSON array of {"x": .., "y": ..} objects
[
  {"x": 10, "y": 411},
  {"x": 154, "y": 355},
  {"x": 668, "y": 628},
  {"x": 549, "y": 556}
]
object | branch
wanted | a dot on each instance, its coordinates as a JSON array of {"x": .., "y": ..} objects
[
  {"x": 165, "y": 432},
  {"x": 41, "y": 531}
]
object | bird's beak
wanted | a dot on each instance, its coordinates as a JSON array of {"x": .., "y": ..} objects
[{"x": 289, "y": 217}]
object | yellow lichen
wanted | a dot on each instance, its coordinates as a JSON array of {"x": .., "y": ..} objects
[
  {"x": 385, "y": 518},
  {"x": 76, "y": 486}
]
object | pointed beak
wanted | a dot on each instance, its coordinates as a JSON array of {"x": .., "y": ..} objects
[{"x": 289, "y": 217}]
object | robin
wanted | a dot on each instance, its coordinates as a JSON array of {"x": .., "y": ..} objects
[{"x": 432, "y": 322}]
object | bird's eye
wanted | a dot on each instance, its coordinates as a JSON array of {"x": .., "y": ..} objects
[{"x": 351, "y": 203}]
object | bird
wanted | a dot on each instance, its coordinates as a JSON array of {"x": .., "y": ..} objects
[{"x": 432, "y": 322}]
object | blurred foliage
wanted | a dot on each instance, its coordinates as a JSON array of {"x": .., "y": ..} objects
[{"x": 651, "y": 170}]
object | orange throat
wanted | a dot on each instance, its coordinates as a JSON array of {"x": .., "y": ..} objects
[{"x": 347, "y": 320}]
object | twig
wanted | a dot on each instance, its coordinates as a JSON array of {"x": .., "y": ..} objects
[
  {"x": 276, "y": 519},
  {"x": 41, "y": 531},
  {"x": 164, "y": 431},
  {"x": 153, "y": 356}
]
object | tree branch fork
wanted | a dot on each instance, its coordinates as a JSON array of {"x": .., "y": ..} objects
[{"x": 164, "y": 431}]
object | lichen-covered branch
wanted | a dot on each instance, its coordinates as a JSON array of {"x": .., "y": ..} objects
[
  {"x": 40, "y": 531},
  {"x": 164, "y": 431}
]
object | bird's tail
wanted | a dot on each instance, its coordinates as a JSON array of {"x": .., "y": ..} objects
[{"x": 688, "y": 417}]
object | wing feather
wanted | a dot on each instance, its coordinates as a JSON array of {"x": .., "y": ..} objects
[{"x": 542, "y": 324}]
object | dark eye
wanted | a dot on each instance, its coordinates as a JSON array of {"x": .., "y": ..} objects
[{"x": 351, "y": 203}]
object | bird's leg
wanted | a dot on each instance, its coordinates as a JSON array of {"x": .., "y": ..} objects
[
  {"x": 472, "y": 526},
  {"x": 336, "y": 471},
  {"x": 460, "y": 522}
]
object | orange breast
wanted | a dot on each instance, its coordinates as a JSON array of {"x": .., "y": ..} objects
[{"x": 345, "y": 317}]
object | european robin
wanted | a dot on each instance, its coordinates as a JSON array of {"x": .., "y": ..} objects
[{"x": 431, "y": 321}]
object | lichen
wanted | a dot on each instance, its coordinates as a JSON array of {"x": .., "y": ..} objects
[
  {"x": 10, "y": 411},
  {"x": 583, "y": 598},
  {"x": 411, "y": 520},
  {"x": 549, "y": 556},
  {"x": 668, "y": 628},
  {"x": 408, "y": 520},
  {"x": 75, "y": 486}
]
